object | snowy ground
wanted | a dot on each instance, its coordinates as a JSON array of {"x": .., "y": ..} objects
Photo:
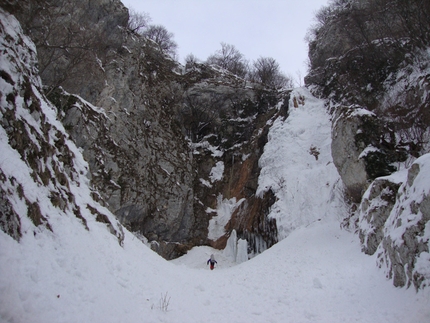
[{"x": 317, "y": 273}]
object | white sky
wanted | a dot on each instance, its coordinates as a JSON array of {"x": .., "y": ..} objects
[{"x": 268, "y": 28}]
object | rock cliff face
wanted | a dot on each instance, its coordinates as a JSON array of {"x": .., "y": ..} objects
[
  {"x": 164, "y": 145},
  {"x": 348, "y": 150},
  {"x": 41, "y": 169},
  {"x": 376, "y": 81}
]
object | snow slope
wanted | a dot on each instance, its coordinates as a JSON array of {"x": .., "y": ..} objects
[{"x": 316, "y": 274}]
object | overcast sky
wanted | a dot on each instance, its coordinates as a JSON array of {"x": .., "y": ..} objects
[{"x": 268, "y": 28}]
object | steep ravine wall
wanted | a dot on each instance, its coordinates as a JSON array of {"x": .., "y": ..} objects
[
  {"x": 133, "y": 112},
  {"x": 42, "y": 171},
  {"x": 378, "y": 93},
  {"x": 235, "y": 143}
]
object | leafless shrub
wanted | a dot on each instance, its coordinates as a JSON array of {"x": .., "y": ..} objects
[
  {"x": 231, "y": 59},
  {"x": 266, "y": 70},
  {"x": 164, "y": 302},
  {"x": 138, "y": 21},
  {"x": 345, "y": 24},
  {"x": 163, "y": 38}
]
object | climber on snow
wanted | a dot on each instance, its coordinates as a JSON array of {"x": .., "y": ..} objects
[{"x": 212, "y": 261}]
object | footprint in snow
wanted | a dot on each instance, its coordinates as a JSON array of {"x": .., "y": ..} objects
[{"x": 317, "y": 283}]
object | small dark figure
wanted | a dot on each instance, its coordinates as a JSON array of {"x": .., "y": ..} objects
[{"x": 212, "y": 261}]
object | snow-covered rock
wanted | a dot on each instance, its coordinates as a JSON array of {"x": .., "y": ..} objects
[
  {"x": 394, "y": 219},
  {"x": 404, "y": 250},
  {"x": 74, "y": 262},
  {"x": 43, "y": 173},
  {"x": 347, "y": 151},
  {"x": 375, "y": 208}
]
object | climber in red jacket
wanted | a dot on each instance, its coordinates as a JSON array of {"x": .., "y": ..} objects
[{"x": 212, "y": 261}]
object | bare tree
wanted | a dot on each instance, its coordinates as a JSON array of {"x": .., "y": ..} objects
[
  {"x": 230, "y": 59},
  {"x": 163, "y": 38},
  {"x": 138, "y": 21},
  {"x": 266, "y": 70}
]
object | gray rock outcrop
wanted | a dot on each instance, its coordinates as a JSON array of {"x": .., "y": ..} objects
[
  {"x": 346, "y": 150},
  {"x": 374, "y": 210},
  {"x": 404, "y": 249}
]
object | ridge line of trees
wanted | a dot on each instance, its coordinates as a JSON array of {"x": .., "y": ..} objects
[{"x": 264, "y": 70}]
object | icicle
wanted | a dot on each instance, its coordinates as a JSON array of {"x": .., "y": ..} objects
[
  {"x": 230, "y": 250},
  {"x": 242, "y": 251}
]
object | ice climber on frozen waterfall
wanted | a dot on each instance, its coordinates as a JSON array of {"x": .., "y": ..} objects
[{"x": 212, "y": 261}]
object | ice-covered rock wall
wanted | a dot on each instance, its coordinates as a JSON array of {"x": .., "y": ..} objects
[{"x": 297, "y": 166}]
